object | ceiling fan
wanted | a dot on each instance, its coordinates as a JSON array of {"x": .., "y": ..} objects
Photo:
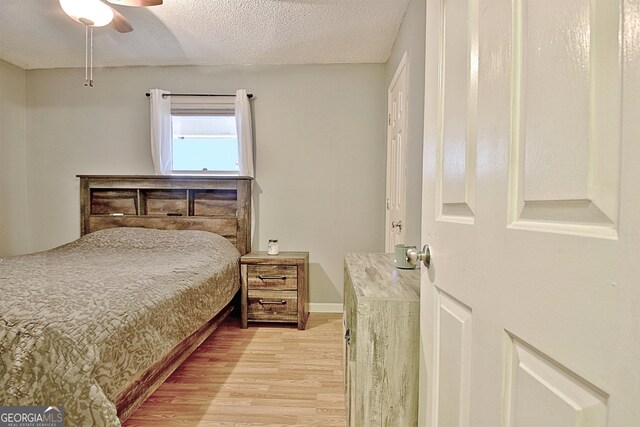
[{"x": 98, "y": 13}]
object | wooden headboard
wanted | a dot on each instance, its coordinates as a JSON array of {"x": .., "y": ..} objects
[{"x": 221, "y": 205}]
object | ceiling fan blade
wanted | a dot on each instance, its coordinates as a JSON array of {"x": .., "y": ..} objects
[
  {"x": 136, "y": 3},
  {"x": 120, "y": 23}
]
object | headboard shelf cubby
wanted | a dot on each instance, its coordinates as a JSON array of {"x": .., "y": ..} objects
[{"x": 221, "y": 205}]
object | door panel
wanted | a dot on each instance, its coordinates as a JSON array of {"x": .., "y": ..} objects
[
  {"x": 458, "y": 104},
  {"x": 453, "y": 363},
  {"x": 544, "y": 262},
  {"x": 565, "y": 140},
  {"x": 540, "y": 392}
]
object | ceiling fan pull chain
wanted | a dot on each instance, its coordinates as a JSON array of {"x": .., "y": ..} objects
[
  {"x": 91, "y": 61},
  {"x": 86, "y": 55}
]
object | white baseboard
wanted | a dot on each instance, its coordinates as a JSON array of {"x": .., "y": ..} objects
[{"x": 321, "y": 307}]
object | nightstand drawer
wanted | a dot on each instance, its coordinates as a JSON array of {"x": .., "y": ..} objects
[
  {"x": 271, "y": 306},
  {"x": 276, "y": 277}
]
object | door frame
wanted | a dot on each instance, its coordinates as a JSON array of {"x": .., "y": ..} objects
[{"x": 403, "y": 65}]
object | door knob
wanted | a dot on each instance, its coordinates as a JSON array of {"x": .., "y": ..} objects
[{"x": 414, "y": 256}]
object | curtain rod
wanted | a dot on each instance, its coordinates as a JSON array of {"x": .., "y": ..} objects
[{"x": 249, "y": 95}]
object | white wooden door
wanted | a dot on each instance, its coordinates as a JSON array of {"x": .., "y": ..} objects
[
  {"x": 396, "y": 157},
  {"x": 530, "y": 314}
]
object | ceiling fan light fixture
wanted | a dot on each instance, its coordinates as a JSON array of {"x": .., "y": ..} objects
[{"x": 91, "y": 13}]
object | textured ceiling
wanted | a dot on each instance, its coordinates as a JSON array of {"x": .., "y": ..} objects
[{"x": 37, "y": 34}]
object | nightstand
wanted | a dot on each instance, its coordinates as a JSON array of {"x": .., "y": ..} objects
[{"x": 275, "y": 288}]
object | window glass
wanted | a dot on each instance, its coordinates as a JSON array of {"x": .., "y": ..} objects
[{"x": 205, "y": 143}]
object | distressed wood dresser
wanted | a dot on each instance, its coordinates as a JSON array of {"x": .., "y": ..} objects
[{"x": 381, "y": 316}]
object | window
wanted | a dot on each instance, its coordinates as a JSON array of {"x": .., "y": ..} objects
[
  {"x": 205, "y": 143},
  {"x": 204, "y": 137},
  {"x": 201, "y": 134}
]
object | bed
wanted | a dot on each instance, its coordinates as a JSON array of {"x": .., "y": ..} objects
[{"x": 97, "y": 324}]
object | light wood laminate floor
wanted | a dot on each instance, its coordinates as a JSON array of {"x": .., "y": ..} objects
[{"x": 267, "y": 375}]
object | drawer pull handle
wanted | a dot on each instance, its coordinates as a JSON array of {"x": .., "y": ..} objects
[
  {"x": 263, "y": 302},
  {"x": 261, "y": 277}
]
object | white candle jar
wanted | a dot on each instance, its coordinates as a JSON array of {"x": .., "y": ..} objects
[{"x": 272, "y": 247}]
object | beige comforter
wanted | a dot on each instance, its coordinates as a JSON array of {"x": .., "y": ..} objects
[{"x": 79, "y": 322}]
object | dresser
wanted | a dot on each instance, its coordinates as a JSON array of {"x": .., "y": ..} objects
[
  {"x": 382, "y": 336},
  {"x": 275, "y": 288}
]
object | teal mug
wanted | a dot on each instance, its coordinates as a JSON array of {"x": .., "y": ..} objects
[{"x": 401, "y": 257}]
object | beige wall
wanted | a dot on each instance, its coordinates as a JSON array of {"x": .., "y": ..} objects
[
  {"x": 13, "y": 161},
  {"x": 411, "y": 38},
  {"x": 319, "y": 134}
]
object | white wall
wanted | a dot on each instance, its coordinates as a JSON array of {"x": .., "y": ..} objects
[
  {"x": 411, "y": 38},
  {"x": 13, "y": 161},
  {"x": 320, "y": 147}
]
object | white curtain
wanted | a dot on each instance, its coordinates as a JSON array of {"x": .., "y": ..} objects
[
  {"x": 245, "y": 137},
  {"x": 161, "y": 132},
  {"x": 245, "y": 151}
]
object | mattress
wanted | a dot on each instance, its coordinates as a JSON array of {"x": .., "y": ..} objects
[{"x": 80, "y": 322}]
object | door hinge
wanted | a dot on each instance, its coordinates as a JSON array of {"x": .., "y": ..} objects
[{"x": 389, "y": 119}]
